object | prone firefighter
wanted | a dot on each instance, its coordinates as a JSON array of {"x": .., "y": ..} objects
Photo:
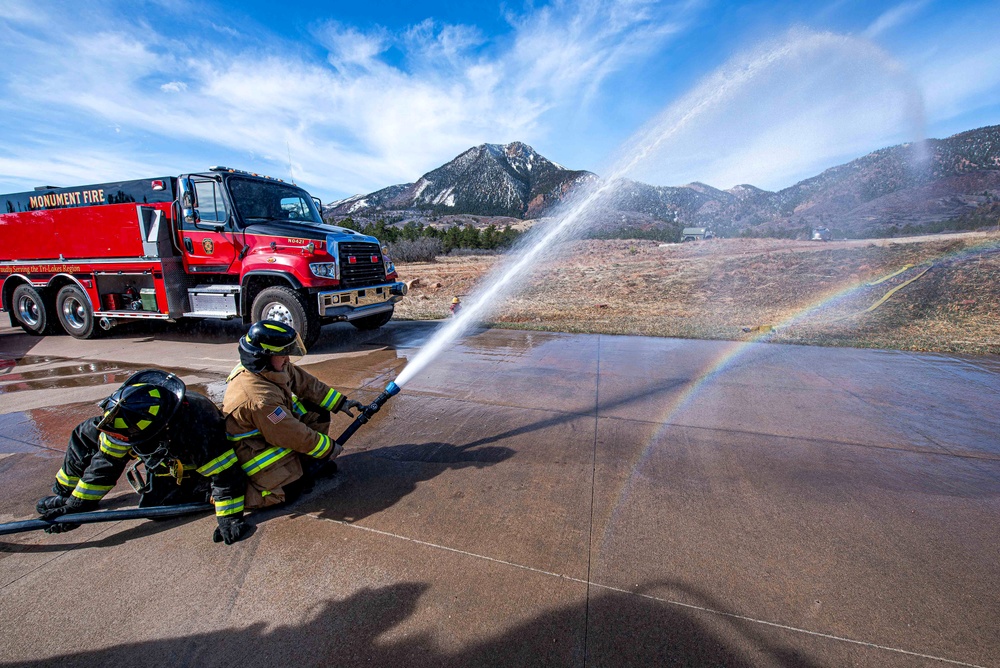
[
  {"x": 178, "y": 436},
  {"x": 278, "y": 415}
]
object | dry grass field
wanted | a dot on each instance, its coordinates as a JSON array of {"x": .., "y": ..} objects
[{"x": 935, "y": 293}]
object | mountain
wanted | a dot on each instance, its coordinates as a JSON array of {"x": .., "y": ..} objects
[
  {"x": 910, "y": 187},
  {"x": 487, "y": 180}
]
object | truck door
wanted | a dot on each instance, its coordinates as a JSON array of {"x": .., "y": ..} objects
[{"x": 209, "y": 244}]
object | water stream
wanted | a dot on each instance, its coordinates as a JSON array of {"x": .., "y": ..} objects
[{"x": 730, "y": 81}]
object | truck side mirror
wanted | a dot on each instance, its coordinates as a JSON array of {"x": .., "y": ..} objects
[{"x": 189, "y": 201}]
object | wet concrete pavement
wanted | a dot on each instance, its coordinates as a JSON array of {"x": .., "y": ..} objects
[{"x": 539, "y": 499}]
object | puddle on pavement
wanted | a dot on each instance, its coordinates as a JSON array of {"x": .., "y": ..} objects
[
  {"x": 8, "y": 363},
  {"x": 48, "y": 429},
  {"x": 371, "y": 369},
  {"x": 69, "y": 374},
  {"x": 112, "y": 378},
  {"x": 42, "y": 430}
]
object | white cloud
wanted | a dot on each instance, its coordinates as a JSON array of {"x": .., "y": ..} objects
[
  {"x": 568, "y": 47},
  {"x": 356, "y": 121},
  {"x": 895, "y": 17},
  {"x": 363, "y": 109},
  {"x": 225, "y": 30},
  {"x": 777, "y": 114},
  {"x": 958, "y": 65},
  {"x": 349, "y": 47}
]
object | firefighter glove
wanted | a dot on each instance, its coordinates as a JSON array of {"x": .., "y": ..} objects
[
  {"x": 231, "y": 529},
  {"x": 347, "y": 404},
  {"x": 332, "y": 454},
  {"x": 54, "y": 506},
  {"x": 50, "y": 507}
]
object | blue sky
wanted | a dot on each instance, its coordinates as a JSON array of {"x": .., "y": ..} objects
[{"x": 349, "y": 97}]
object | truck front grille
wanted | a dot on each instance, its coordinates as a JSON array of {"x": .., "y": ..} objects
[{"x": 360, "y": 264}]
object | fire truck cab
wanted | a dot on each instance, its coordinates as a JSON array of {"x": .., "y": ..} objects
[{"x": 217, "y": 244}]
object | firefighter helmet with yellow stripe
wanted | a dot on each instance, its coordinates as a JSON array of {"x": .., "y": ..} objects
[
  {"x": 264, "y": 340},
  {"x": 140, "y": 409}
]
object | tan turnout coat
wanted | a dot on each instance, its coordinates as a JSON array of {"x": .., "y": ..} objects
[{"x": 272, "y": 419}]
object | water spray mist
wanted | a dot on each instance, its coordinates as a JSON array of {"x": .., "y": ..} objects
[{"x": 720, "y": 87}]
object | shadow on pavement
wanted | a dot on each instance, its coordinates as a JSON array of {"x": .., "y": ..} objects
[
  {"x": 147, "y": 528},
  {"x": 16, "y": 346},
  {"x": 612, "y": 629},
  {"x": 370, "y": 482}
]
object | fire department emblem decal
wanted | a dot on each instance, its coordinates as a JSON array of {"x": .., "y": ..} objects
[{"x": 208, "y": 245}]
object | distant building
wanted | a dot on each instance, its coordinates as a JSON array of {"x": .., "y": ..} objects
[
  {"x": 821, "y": 234},
  {"x": 696, "y": 234}
]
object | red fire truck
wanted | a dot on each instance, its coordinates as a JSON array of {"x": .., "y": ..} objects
[{"x": 219, "y": 244}]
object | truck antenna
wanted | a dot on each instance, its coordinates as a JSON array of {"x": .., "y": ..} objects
[{"x": 290, "y": 174}]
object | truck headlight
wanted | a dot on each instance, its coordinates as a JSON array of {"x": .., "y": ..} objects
[
  {"x": 324, "y": 269},
  {"x": 389, "y": 266}
]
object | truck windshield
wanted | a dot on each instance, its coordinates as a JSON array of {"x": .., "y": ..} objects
[{"x": 261, "y": 200}]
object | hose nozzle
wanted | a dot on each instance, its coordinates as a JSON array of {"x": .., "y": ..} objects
[{"x": 368, "y": 411}]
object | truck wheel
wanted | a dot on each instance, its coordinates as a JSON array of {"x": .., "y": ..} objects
[
  {"x": 75, "y": 314},
  {"x": 290, "y": 307},
  {"x": 373, "y": 321},
  {"x": 31, "y": 312}
]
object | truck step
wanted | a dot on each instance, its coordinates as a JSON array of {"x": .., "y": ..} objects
[
  {"x": 209, "y": 314},
  {"x": 213, "y": 301}
]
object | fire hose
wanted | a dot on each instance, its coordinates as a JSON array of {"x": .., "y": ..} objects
[
  {"x": 154, "y": 512},
  {"x": 160, "y": 512}
]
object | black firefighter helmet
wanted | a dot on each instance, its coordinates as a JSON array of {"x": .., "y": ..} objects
[
  {"x": 264, "y": 340},
  {"x": 139, "y": 410}
]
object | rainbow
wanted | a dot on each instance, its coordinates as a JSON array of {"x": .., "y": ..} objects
[{"x": 732, "y": 351}]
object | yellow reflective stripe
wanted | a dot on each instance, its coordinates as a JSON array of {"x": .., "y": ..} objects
[
  {"x": 112, "y": 449},
  {"x": 236, "y": 370},
  {"x": 264, "y": 459},
  {"x": 91, "y": 492},
  {"x": 225, "y": 507},
  {"x": 240, "y": 437},
  {"x": 322, "y": 447},
  {"x": 66, "y": 480},
  {"x": 330, "y": 400},
  {"x": 298, "y": 406},
  {"x": 276, "y": 328},
  {"x": 219, "y": 464}
]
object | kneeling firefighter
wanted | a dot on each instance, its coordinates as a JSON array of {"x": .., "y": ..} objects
[
  {"x": 278, "y": 416},
  {"x": 179, "y": 436}
]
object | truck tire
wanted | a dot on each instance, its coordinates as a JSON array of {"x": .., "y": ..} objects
[
  {"x": 75, "y": 313},
  {"x": 30, "y": 311},
  {"x": 290, "y": 307},
  {"x": 373, "y": 321}
]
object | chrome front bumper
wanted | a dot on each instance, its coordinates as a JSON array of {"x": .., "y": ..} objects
[{"x": 359, "y": 302}]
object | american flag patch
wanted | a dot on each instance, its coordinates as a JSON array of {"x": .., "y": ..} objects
[{"x": 277, "y": 415}]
